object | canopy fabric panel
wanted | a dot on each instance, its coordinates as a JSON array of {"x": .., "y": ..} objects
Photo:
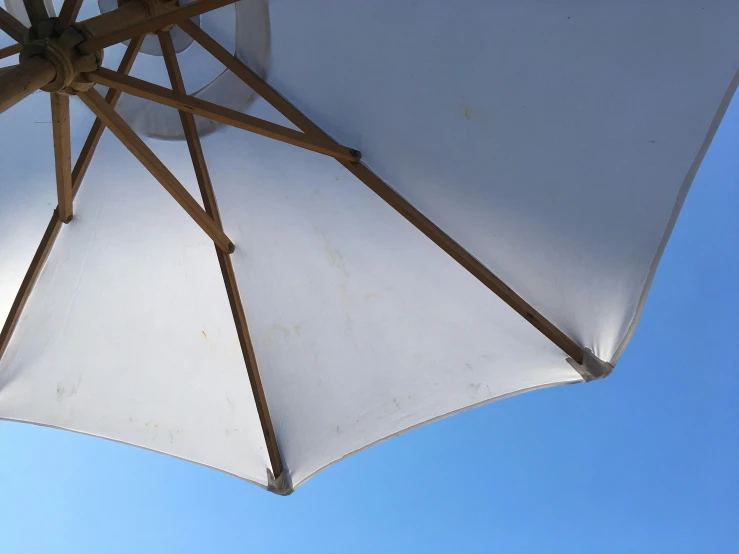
[
  {"x": 550, "y": 139},
  {"x": 554, "y": 142}
]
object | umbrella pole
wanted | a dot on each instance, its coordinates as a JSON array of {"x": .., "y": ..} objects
[{"x": 19, "y": 81}]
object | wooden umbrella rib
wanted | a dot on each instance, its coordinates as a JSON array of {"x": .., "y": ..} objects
[
  {"x": 152, "y": 24},
  {"x": 34, "y": 72},
  {"x": 250, "y": 360},
  {"x": 195, "y": 106},
  {"x": 11, "y": 26},
  {"x": 69, "y": 12},
  {"x": 127, "y": 14},
  {"x": 148, "y": 159},
  {"x": 10, "y": 50},
  {"x": 389, "y": 195},
  {"x": 62, "y": 155},
  {"x": 22, "y": 80},
  {"x": 245, "y": 73},
  {"x": 227, "y": 270},
  {"x": 96, "y": 132},
  {"x": 34, "y": 269},
  {"x": 52, "y": 229},
  {"x": 465, "y": 259},
  {"x": 36, "y": 10}
]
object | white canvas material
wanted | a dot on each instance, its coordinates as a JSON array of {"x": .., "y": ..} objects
[{"x": 554, "y": 141}]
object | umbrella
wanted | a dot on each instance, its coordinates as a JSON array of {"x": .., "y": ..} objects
[{"x": 341, "y": 220}]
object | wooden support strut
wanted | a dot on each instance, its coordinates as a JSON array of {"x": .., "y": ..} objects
[
  {"x": 36, "y": 10},
  {"x": 127, "y": 14},
  {"x": 190, "y": 104},
  {"x": 227, "y": 270},
  {"x": 52, "y": 229},
  {"x": 149, "y": 25},
  {"x": 112, "y": 97},
  {"x": 42, "y": 252},
  {"x": 159, "y": 171},
  {"x": 31, "y": 74},
  {"x": 10, "y": 50},
  {"x": 19, "y": 81},
  {"x": 130, "y": 20},
  {"x": 11, "y": 26},
  {"x": 384, "y": 191},
  {"x": 69, "y": 12}
]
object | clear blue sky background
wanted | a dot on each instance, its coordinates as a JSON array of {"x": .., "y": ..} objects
[{"x": 645, "y": 461}]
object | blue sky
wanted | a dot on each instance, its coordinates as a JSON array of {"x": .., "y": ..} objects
[{"x": 645, "y": 461}]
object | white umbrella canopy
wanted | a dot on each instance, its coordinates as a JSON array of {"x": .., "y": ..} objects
[{"x": 522, "y": 166}]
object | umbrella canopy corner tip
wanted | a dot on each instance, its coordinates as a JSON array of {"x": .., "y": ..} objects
[
  {"x": 281, "y": 485},
  {"x": 592, "y": 368}
]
